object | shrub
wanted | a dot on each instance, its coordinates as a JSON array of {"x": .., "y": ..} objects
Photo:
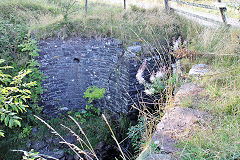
[
  {"x": 19, "y": 51},
  {"x": 13, "y": 96},
  {"x": 93, "y": 93},
  {"x": 11, "y": 36}
]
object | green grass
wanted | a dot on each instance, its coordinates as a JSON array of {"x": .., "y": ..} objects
[
  {"x": 44, "y": 19},
  {"x": 220, "y": 138},
  {"x": 220, "y": 141}
]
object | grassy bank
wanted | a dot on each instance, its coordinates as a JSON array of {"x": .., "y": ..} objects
[
  {"x": 218, "y": 48},
  {"x": 41, "y": 19},
  {"x": 23, "y": 20},
  {"x": 46, "y": 19}
]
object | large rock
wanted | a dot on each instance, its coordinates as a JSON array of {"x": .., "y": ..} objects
[
  {"x": 159, "y": 157},
  {"x": 57, "y": 154},
  {"x": 177, "y": 123},
  {"x": 199, "y": 70},
  {"x": 135, "y": 49},
  {"x": 38, "y": 145}
]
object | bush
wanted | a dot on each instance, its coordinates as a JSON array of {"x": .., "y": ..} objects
[
  {"x": 19, "y": 51},
  {"x": 11, "y": 36},
  {"x": 13, "y": 96}
]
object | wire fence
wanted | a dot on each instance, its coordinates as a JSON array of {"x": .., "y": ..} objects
[{"x": 218, "y": 6}]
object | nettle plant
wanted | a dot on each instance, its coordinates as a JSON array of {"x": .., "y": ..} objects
[
  {"x": 14, "y": 94},
  {"x": 158, "y": 80}
]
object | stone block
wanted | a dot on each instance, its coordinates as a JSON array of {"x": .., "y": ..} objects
[{"x": 199, "y": 70}]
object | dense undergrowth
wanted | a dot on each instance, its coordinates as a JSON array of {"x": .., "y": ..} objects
[
  {"x": 220, "y": 49},
  {"x": 23, "y": 21},
  {"x": 20, "y": 82}
]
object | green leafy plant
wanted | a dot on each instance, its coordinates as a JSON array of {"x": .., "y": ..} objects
[
  {"x": 95, "y": 110},
  {"x": 25, "y": 132},
  {"x": 92, "y": 94},
  {"x": 19, "y": 51},
  {"x": 30, "y": 48},
  {"x": 1, "y": 133},
  {"x": 135, "y": 133},
  {"x": 14, "y": 94},
  {"x": 11, "y": 36}
]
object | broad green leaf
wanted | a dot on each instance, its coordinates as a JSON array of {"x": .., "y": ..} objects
[
  {"x": 17, "y": 122},
  {"x": 3, "y": 117},
  {"x": 16, "y": 117},
  {"x": 1, "y": 133},
  {"x": 6, "y": 120},
  {"x": 11, "y": 114},
  {"x": 10, "y": 123},
  {"x": 2, "y": 60}
]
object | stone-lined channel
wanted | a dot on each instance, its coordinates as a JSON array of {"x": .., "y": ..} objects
[{"x": 72, "y": 65}]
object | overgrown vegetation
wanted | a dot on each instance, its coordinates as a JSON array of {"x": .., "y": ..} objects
[
  {"x": 92, "y": 109},
  {"x": 220, "y": 139},
  {"x": 13, "y": 96},
  {"x": 20, "y": 79},
  {"x": 220, "y": 50},
  {"x": 23, "y": 21}
]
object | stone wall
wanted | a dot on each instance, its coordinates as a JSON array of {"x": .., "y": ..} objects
[{"x": 71, "y": 66}]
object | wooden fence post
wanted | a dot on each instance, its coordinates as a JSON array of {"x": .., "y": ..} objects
[
  {"x": 166, "y": 5},
  {"x": 86, "y": 5},
  {"x": 125, "y": 6},
  {"x": 222, "y": 11}
]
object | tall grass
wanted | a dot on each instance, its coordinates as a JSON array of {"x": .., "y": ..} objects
[
  {"x": 45, "y": 19},
  {"x": 152, "y": 27},
  {"x": 220, "y": 49}
]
